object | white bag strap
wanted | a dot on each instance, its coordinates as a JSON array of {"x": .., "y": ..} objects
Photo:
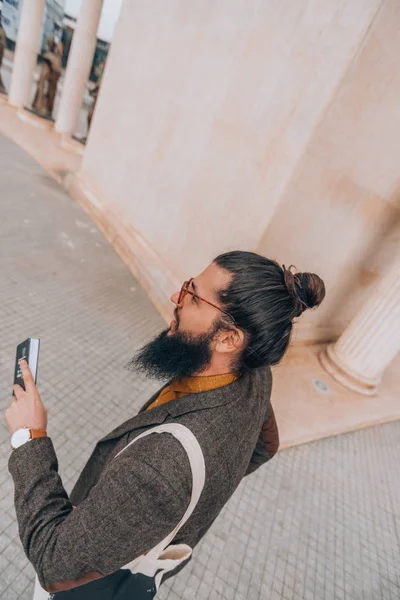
[
  {"x": 197, "y": 465},
  {"x": 39, "y": 593}
]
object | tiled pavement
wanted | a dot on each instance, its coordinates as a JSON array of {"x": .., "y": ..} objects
[{"x": 321, "y": 521}]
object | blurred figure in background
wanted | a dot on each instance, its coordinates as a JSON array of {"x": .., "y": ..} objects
[{"x": 50, "y": 72}]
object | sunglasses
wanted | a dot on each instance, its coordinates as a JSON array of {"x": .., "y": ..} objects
[{"x": 185, "y": 290}]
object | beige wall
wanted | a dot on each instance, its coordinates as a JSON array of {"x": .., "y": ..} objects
[
  {"x": 211, "y": 114},
  {"x": 340, "y": 215}
]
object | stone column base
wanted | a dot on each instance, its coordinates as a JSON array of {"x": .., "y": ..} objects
[
  {"x": 69, "y": 143},
  {"x": 34, "y": 119},
  {"x": 356, "y": 382}
]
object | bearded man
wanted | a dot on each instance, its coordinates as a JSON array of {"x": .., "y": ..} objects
[{"x": 231, "y": 323}]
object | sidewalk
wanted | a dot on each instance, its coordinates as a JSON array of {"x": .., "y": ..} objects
[
  {"x": 320, "y": 522},
  {"x": 44, "y": 145}
]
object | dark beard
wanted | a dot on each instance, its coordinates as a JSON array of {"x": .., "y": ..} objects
[{"x": 174, "y": 356}]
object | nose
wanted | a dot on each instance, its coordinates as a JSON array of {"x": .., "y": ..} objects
[{"x": 174, "y": 298}]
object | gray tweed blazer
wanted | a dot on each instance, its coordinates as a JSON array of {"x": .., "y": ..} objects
[{"x": 125, "y": 506}]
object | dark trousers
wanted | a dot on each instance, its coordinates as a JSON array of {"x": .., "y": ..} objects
[{"x": 121, "y": 585}]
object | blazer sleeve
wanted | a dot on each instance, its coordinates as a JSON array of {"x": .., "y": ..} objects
[
  {"x": 267, "y": 443},
  {"x": 141, "y": 495}
]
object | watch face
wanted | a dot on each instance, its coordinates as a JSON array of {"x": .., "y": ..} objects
[{"x": 19, "y": 437}]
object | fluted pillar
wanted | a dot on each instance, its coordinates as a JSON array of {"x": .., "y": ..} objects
[
  {"x": 371, "y": 341},
  {"x": 26, "y": 52},
  {"x": 78, "y": 66}
]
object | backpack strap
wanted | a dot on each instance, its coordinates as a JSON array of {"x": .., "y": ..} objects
[{"x": 197, "y": 465}]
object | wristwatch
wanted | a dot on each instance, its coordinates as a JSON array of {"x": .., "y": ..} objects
[{"x": 25, "y": 434}]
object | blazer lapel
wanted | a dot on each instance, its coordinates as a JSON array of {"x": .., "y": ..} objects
[
  {"x": 189, "y": 403},
  {"x": 144, "y": 418},
  {"x": 147, "y": 404}
]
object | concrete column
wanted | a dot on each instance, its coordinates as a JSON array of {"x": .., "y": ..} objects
[
  {"x": 371, "y": 341},
  {"x": 26, "y": 52},
  {"x": 78, "y": 67}
]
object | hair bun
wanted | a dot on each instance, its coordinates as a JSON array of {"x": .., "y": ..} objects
[{"x": 307, "y": 289}]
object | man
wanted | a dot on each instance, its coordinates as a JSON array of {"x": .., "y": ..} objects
[
  {"x": 50, "y": 72},
  {"x": 3, "y": 41},
  {"x": 231, "y": 322}
]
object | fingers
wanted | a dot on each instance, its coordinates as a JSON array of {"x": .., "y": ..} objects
[
  {"x": 18, "y": 392},
  {"x": 27, "y": 376}
]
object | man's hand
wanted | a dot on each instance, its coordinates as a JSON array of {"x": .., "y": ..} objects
[{"x": 27, "y": 408}]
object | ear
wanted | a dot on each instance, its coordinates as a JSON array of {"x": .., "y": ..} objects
[{"x": 229, "y": 341}]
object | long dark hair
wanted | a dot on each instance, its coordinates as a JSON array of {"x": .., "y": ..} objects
[{"x": 264, "y": 298}]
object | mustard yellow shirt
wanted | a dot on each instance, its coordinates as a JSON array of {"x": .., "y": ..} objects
[{"x": 192, "y": 385}]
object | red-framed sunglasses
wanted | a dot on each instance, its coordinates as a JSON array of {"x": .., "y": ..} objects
[{"x": 185, "y": 290}]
